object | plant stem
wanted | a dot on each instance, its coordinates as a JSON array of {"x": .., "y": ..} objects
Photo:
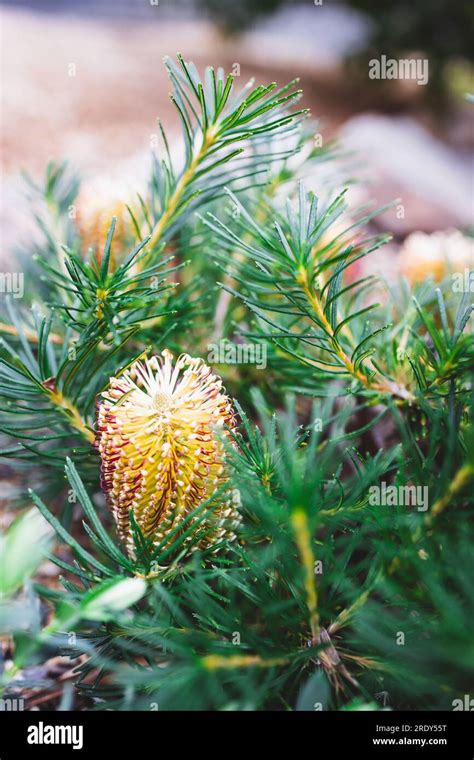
[
  {"x": 384, "y": 386},
  {"x": 299, "y": 521},
  {"x": 29, "y": 334},
  {"x": 217, "y": 662},
  {"x": 209, "y": 138},
  {"x": 460, "y": 480},
  {"x": 72, "y": 414}
]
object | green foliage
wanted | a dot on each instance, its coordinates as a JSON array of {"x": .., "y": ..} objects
[{"x": 366, "y": 383}]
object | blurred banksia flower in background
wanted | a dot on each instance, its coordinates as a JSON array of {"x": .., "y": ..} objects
[
  {"x": 160, "y": 428},
  {"x": 94, "y": 225},
  {"x": 96, "y": 206},
  {"x": 443, "y": 252}
]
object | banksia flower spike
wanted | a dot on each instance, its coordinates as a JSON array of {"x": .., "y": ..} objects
[{"x": 160, "y": 428}]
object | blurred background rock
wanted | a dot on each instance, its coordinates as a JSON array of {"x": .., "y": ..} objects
[{"x": 84, "y": 80}]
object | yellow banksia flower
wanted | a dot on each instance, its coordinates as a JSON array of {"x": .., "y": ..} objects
[{"x": 161, "y": 426}]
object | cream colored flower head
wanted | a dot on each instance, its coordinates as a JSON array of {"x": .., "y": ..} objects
[
  {"x": 423, "y": 256},
  {"x": 160, "y": 430}
]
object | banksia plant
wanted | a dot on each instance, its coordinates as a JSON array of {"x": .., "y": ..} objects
[
  {"x": 160, "y": 427},
  {"x": 267, "y": 552}
]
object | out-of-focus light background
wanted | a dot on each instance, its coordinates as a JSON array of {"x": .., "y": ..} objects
[{"x": 84, "y": 80}]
